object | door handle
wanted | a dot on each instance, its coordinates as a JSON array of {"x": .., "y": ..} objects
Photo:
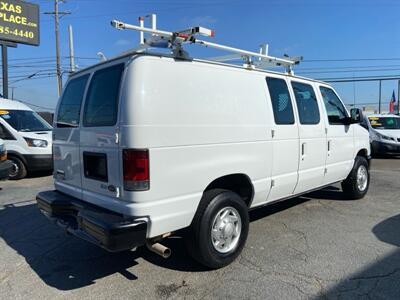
[
  {"x": 60, "y": 174},
  {"x": 329, "y": 147},
  {"x": 303, "y": 151}
]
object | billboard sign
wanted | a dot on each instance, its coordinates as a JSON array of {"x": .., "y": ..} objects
[{"x": 19, "y": 22}]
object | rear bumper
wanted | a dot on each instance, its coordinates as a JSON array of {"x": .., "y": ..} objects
[
  {"x": 39, "y": 162},
  {"x": 385, "y": 148},
  {"x": 94, "y": 224},
  {"x": 5, "y": 169}
]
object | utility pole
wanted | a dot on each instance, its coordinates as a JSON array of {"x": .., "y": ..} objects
[
  {"x": 4, "y": 59},
  {"x": 57, "y": 14},
  {"x": 71, "y": 49},
  {"x": 58, "y": 63},
  {"x": 380, "y": 96}
]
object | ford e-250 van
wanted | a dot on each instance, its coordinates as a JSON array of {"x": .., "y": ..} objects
[{"x": 146, "y": 145}]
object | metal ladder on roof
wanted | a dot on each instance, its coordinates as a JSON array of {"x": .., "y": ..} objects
[{"x": 175, "y": 41}]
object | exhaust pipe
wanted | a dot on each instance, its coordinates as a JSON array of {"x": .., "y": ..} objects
[{"x": 159, "y": 249}]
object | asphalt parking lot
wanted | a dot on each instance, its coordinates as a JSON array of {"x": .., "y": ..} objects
[{"x": 317, "y": 246}]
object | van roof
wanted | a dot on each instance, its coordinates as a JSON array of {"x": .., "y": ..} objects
[
  {"x": 383, "y": 116},
  {"x": 135, "y": 53},
  {"x": 12, "y": 105}
]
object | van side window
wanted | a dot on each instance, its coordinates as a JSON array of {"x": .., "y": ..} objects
[
  {"x": 281, "y": 102},
  {"x": 101, "y": 106},
  {"x": 70, "y": 106},
  {"x": 334, "y": 107},
  {"x": 307, "y": 104},
  {"x": 5, "y": 134}
]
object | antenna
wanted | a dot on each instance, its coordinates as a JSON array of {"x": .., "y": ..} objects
[{"x": 176, "y": 40}]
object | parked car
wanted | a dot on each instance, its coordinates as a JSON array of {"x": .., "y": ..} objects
[
  {"x": 147, "y": 145},
  {"x": 5, "y": 165},
  {"x": 384, "y": 131},
  {"x": 28, "y": 138}
]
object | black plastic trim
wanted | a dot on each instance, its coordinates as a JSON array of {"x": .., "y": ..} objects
[
  {"x": 385, "y": 148},
  {"x": 105, "y": 228},
  {"x": 38, "y": 162}
]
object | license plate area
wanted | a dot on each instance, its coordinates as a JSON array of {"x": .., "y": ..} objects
[{"x": 95, "y": 166}]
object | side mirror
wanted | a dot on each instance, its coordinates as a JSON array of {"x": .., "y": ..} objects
[{"x": 356, "y": 116}]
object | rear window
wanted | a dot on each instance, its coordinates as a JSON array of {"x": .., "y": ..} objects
[
  {"x": 101, "y": 106},
  {"x": 281, "y": 102},
  {"x": 70, "y": 106}
]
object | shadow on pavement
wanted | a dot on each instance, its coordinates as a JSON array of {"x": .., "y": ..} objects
[
  {"x": 328, "y": 193},
  {"x": 60, "y": 260},
  {"x": 380, "y": 280},
  {"x": 66, "y": 263}
]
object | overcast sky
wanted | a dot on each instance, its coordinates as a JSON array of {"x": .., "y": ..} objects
[{"x": 316, "y": 29}]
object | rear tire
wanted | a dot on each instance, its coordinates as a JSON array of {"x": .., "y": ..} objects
[
  {"x": 356, "y": 185},
  {"x": 18, "y": 170},
  {"x": 219, "y": 229}
]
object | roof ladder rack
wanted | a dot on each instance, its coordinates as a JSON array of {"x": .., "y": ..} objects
[{"x": 175, "y": 41}]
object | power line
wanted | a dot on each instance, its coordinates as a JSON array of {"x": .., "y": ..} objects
[
  {"x": 35, "y": 105},
  {"x": 350, "y": 59},
  {"x": 347, "y": 67},
  {"x": 350, "y": 71},
  {"x": 365, "y": 78}
]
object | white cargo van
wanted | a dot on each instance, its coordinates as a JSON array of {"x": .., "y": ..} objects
[
  {"x": 147, "y": 145},
  {"x": 27, "y": 138}
]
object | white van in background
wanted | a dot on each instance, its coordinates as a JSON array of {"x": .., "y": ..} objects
[
  {"x": 384, "y": 132},
  {"x": 28, "y": 138}
]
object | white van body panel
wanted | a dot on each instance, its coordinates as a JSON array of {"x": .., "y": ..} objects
[
  {"x": 200, "y": 121},
  {"x": 224, "y": 142}
]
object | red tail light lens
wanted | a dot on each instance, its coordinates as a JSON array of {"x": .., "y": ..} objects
[{"x": 136, "y": 170}]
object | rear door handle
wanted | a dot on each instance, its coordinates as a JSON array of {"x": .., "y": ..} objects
[
  {"x": 60, "y": 174},
  {"x": 329, "y": 147},
  {"x": 303, "y": 151}
]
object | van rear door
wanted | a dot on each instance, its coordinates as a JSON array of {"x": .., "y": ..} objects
[
  {"x": 66, "y": 138},
  {"x": 99, "y": 136}
]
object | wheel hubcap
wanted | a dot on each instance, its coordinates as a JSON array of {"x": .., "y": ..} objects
[
  {"x": 14, "y": 169},
  {"x": 362, "y": 178},
  {"x": 226, "y": 229}
]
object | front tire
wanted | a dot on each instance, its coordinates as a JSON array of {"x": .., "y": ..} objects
[
  {"x": 356, "y": 185},
  {"x": 18, "y": 170},
  {"x": 219, "y": 229}
]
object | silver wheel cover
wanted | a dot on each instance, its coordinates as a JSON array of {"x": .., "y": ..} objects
[
  {"x": 362, "y": 178},
  {"x": 226, "y": 229}
]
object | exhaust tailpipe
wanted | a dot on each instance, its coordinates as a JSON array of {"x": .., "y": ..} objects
[{"x": 159, "y": 249}]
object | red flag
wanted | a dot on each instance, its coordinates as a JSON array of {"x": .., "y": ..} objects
[{"x": 392, "y": 102}]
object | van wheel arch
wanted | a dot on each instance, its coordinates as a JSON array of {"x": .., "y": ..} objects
[
  {"x": 238, "y": 183},
  {"x": 11, "y": 153},
  {"x": 364, "y": 153}
]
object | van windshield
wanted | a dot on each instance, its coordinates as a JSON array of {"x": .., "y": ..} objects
[
  {"x": 25, "y": 120},
  {"x": 384, "y": 122}
]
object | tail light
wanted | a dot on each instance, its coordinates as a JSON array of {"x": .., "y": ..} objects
[{"x": 136, "y": 170}]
